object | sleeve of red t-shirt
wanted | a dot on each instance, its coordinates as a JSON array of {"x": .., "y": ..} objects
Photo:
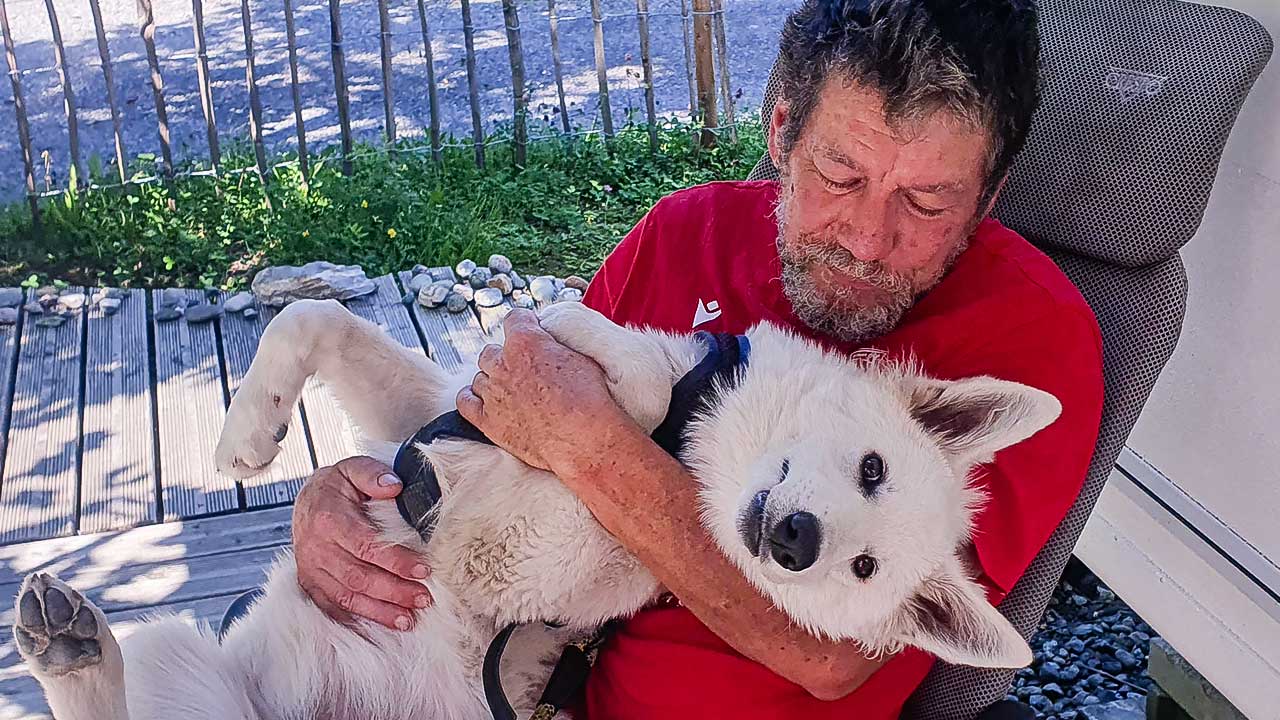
[{"x": 1031, "y": 485}]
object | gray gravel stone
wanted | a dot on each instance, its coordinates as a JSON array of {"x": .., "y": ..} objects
[
  {"x": 51, "y": 321},
  {"x": 168, "y": 313},
  {"x": 73, "y": 301},
  {"x": 34, "y": 307},
  {"x": 465, "y": 290},
  {"x": 110, "y": 306},
  {"x": 280, "y": 285},
  {"x": 455, "y": 303},
  {"x": 499, "y": 264},
  {"x": 569, "y": 294},
  {"x": 10, "y": 297},
  {"x": 517, "y": 282},
  {"x": 238, "y": 303},
  {"x": 203, "y": 313},
  {"x": 488, "y": 297},
  {"x": 250, "y": 313},
  {"x": 502, "y": 283},
  {"x": 543, "y": 289},
  {"x": 523, "y": 302},
  {"x": 433, "y": 295},
  {"x": 578, "y": 283},
  {"x": 464, "y": 269},
  {"x": 479, "y": 278},
  {"x": 8, "y": 315}
]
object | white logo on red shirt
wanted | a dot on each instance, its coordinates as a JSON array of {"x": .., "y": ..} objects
[{"x": 706, "y": 312}]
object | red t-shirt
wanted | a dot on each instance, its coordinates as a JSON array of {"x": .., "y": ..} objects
[{"x": 707, "y": 258}]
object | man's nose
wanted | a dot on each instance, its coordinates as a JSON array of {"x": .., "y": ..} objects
[{"x": 869, "y": 235}]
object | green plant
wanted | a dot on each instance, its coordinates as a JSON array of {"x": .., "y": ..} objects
[{"x": 561, "y": 213}]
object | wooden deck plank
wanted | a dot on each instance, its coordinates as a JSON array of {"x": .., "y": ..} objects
[
  {"x": 41, "y": 465},
  {"x": 191, "y": 409},
  {"x": 384, "y": 309},
  {"x": 8, "y": 362},
  {"x": 431, "y": 324},
  {"x": 149, "y": 544},
  {"x": 281, "y": 481},
  {"x": 460, "y": 332},
  {"x": 193, "y": 569},
  {"x": 118, "y": 467}
]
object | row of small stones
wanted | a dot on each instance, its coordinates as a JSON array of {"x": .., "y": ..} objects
[
  {"x": 488, "y": 286},
  {"x": 53, "y": 306},
  {"x": 483, "y": 286}
]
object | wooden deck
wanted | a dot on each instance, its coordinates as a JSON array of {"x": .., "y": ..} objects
[{"x": 107, "y": 431}]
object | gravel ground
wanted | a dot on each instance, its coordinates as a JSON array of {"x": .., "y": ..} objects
[
  {"x": 751, "y": 27},
  {"x": 1091, "y": 650}
]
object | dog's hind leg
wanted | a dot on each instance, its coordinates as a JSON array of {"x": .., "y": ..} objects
[
  {"x": 388, "y": 390},
  {"x": 179, "y": 672},
  {"x": 69, "y": 649}
]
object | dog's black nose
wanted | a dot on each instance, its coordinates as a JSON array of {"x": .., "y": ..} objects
[{"x": 794, "y": 541}]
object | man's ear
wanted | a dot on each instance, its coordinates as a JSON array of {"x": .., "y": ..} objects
[
  {"x": 776, "y": 121},
  {"x": 949, "y": 617},
  {"x": 991, "y": 202}
]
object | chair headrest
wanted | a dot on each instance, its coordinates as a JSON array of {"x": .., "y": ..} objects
[{"x": 1139, "y": 97}]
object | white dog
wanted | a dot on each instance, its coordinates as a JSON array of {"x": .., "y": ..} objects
[{"x": 839, "y": 486}]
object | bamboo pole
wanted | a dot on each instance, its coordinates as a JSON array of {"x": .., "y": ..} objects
[
  {"x": 340, "y": 83},
  {"x": 297, "y": 93},
  {"x": 20, "y": 108},
  {"x": 147, "y": 24},
  {"x": 104, "y": 54},
  {"x": 68, "y": 93},
  {"x": 388, "y": 100},
  {"x": 206, "y": 91},
  {"x": 602, "y": 70},
  {"x": 685, "y": 32},
  {"x": 473, "y": 82},
  {"x": 433, "y": 99},
  {"x": 726, "y": 87},
  {"x": 705, "y": 69},
  {"x": 642, "y": 18},
  {"x": 255, "y": 102},
  {"x": 559, "y": 67},
  {"x": 516, "y": 53}
]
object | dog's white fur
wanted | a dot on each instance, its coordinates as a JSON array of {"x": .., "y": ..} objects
[{"x": 512, "y": 545}]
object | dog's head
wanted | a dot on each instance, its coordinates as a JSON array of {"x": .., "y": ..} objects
[{"x": 841, "y": 488}]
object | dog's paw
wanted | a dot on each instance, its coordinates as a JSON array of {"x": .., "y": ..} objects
[
  {"x": 249, "y": 440},
  {"x": 58, "y": 631}
]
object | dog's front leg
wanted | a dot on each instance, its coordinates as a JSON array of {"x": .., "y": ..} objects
[{"x": 388, "y": 390}]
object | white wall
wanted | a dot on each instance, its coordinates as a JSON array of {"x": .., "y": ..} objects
[{"x": 1213, "y": 423}]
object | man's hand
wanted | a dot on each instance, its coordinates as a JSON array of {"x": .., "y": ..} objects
[
  {"x": 533, "y": 375},
  {"x": 342, "y": 565}
]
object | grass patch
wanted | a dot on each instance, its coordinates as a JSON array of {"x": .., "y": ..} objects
[{"x": 561, "y": 214}]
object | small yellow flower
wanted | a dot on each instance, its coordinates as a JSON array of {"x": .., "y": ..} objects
[
  {"x": 364, "y": 203},
  {"x": 391, "y": 233},
  {"x": 306, "y": 233}
]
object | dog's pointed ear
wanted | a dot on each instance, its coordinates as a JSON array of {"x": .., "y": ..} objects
[
  {"x": 972, "y": 419},
  {"x": 949, "y": 617}
]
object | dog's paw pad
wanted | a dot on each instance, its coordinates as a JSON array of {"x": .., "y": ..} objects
[
  {"x": 58, "y": 631},
  {"x": 67, "y": 654},
  {"x": 57, "y": 608}
]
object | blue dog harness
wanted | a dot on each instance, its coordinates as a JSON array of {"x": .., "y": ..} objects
[{"x": 726, "y": 357}]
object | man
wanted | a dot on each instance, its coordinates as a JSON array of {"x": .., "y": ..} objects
[{"x": 898, "y": 122}]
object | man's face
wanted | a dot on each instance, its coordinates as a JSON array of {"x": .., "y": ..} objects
[{"x": 871, "y": 216}]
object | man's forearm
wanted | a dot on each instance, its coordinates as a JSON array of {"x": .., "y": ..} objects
[{"x": 665, "y": 532}]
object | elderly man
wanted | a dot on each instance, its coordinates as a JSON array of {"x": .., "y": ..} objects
[{"x": 897, "y": 124}]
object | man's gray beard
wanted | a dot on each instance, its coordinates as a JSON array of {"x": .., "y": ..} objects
[{"x": 836, "y": 313}]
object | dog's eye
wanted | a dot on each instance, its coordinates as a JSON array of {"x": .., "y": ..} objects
[
  {"x": 872, "y": 472},
  {"x": 864, "y": 566}
]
